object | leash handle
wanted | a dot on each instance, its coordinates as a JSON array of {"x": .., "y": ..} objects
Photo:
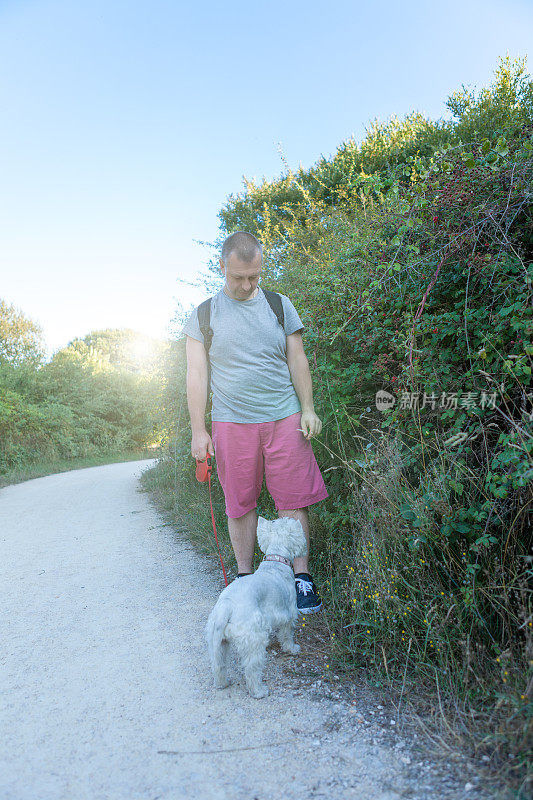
[
  {"x": 204, "y": 469},
  {"x": 203, "y": 474}
]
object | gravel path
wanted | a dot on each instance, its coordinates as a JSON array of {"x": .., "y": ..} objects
[{"x": 105, "y": 688}]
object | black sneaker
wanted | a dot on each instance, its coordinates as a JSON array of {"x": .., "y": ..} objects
[{"x": 307, "y": 597}]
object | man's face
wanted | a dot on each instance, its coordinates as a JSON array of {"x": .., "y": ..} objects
[{"x": 241, "y": 277}]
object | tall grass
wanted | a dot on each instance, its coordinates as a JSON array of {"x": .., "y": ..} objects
[{"x": 446, "y": 629}]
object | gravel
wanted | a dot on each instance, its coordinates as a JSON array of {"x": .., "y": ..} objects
[{"x": 105, "y": 685}]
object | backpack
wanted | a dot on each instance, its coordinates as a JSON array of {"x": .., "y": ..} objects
[{"x": 204, "y": 321}]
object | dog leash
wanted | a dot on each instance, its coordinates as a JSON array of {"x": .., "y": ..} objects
[{"x": 203, "y": 475}]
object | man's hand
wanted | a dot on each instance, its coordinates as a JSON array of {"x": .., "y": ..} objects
[
  {"x": 310, "y": 424},
  {"x": 201, "y": 445}
]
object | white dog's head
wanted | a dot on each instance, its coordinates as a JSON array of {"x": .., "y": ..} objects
[{"x": 284, "y": 537}]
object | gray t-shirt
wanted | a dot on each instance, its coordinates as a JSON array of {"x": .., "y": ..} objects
[{"x": 250, "y": 378}]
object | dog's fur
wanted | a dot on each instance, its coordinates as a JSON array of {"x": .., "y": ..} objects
[{"x": 255, "y": 606}]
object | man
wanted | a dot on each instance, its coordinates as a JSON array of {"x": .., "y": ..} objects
[{"x": 263, "y": 416}]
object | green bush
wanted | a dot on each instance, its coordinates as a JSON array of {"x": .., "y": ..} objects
[{"x": 78, "y": 405}]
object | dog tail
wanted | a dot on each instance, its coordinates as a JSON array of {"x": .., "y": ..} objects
[{"x": 215, "y": 635}]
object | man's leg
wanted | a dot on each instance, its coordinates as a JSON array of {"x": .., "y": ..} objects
[
  {"x": 240, "y": 472},
  {"x": 242, "y": 532},
  {"x": 293, "y": 477},
  {"x": 307, "y": 597},
  {"x": 294, "y": 481},
  {"x": 302, "y": 515}
]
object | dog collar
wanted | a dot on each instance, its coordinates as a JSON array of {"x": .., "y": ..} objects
[{"x": 281, "y": 559}]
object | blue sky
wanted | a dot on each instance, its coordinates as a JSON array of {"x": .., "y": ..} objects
[{"x": 127, "y": 124}]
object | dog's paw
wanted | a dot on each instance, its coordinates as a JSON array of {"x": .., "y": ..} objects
[
  {"x": 222, "y": 684},
  {"x": 293, "y": 649},
  {"x": 259, "y": 691}
]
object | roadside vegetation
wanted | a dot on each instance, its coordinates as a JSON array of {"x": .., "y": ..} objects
[
  {"x": 38, "y": 469},
  {"x": 95, "y": 401},
  {"x": 409, "y": 259}
]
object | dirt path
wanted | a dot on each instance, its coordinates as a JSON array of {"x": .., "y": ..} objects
[{"x": 105, "y": 687}]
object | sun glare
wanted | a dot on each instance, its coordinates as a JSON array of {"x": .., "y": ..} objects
[{"x": 142, "y": 350}]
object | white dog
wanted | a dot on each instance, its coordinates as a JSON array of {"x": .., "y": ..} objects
[{"x": 255, "y": 606}]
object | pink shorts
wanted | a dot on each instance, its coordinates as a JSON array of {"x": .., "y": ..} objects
[{"x": 247, "y": 451}]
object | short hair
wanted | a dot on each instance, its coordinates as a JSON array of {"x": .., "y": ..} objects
[{"x": 243, "y": 244}]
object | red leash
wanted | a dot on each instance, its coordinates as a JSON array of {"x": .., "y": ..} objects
[{"x": 203, "y": 474}]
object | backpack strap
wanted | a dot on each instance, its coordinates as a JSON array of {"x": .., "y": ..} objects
[
  {"x": 276, "y": 304},
  {"x": 204, "y": 321}
]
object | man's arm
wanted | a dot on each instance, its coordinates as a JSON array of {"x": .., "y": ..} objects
[
  {"x": 301, "y": 379},
  {"x": 201, "y": 443}
]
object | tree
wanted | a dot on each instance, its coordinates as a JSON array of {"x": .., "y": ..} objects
[
  {"x": 123, "y": 348},
  {"x": 21, "y": 339}
]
